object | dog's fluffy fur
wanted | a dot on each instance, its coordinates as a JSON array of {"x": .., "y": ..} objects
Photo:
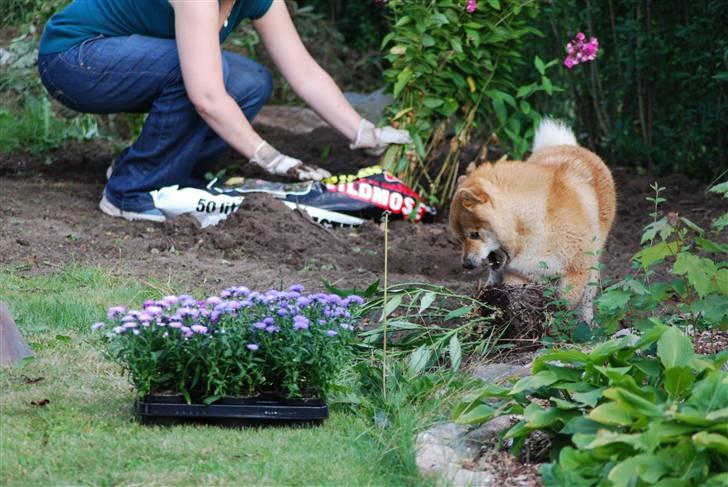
[{"x": 548, "y": 216}]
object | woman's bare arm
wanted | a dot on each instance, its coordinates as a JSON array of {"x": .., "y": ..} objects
[
  {"x": 306, "y": 77},
  {"x": 197, "y": 32}
]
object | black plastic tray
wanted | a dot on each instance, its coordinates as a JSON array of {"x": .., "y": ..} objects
[{"x": 166, "y": 410}]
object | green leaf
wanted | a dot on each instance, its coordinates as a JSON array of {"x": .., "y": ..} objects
[
  {"x": 614, "y": 299},
  {"x": 402, "y": 80},
  {"x": 632, "y": 403},
  {"x": 655, "y": 253},
  {"x": 418, "y": 360},
  {"x": 649, "y": 468},
  {"x": 455, "y": 352},
  {"x": 721, "y": 188},
  {"x": 426, "y": 301},
  {"x": 392, "y": 304},
  {"x": 699, "y": 271},
  {"x": 540, "y": 67},
  {"x": 611, "y": 413},
  {"x": 495, "y": 4},
  {"x": 604, "y": 438},
  {"x": 428, "y": 40},
  {"x": 581, "y": 424},
  {"x": 714, "y": 441},
  {"x": 539, "y": 418},
  {"x": 674, "y": 349},
  {"x": 589, "y": 398},
  {"x": 479, "y": 414},
  {"x": 403, "y": 21},
  {"x": 721, "y": 222},
  {"x": 210, "y": 399},
  {"x": 500, "y": 111},
  {"x": 533, "y": 382},
  {"x": 456, "y": 45},
  {"x": 457, "y": 313},
  {"x": 678, "y": 380},
  {"x": 564, "y": 356},
  {"x": 431, "y": 102},
  {"x": 711, "y": 246}
]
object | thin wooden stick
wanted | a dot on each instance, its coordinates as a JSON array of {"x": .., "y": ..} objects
[{"x": 384, "y": 310}]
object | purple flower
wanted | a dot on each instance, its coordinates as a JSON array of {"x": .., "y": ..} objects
[
  {"x": 282, "y": 312},
  {"x": 170, "y": 300},
  {"x": 129, "y": 325},
  {"x": 154, "y": 309},
  {"x": 118, "y": 329},
  {"x": 116, "y": 311},
  {"x": 269, "y": 321},
  {"x": 472, "y": 6},
  {"x": 98, "y": 325},
  {"x": 272, "y": 329},
  {"x": 252, "y": 346},
  {"x": 127, "y": 318},
  {"x": 259, "y": 325},
  {"x": 331, "y": 333},
  {"x": 296, "y": 288},
  {"x": 300, "y": 322},
  {"x": 175, "y": 324},
  {"x": 213, "y": 300},
  {"x": 303, "y": 301},
  {"x": 353, "y": 299},
  {"x": 580, "y": 51},
  {"x": 199, "y": 329},
  {"x": 149, "y": 302},
  {"x": 145, "y": 317}
]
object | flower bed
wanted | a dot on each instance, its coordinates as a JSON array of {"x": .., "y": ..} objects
[{"x": 242, "y": 343}]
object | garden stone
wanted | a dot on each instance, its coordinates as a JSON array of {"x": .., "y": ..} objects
[
  {"x": 441, "y": 451},
  {"x": 12, "y": 344},
  {"x": 369, "y": 105},
  {"x": 488, "y": 433},
  {"x": 499, "y": 373},
  {"x": 297, "y": 120}
]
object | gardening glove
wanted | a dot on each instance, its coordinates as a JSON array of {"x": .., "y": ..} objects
[
  {"x": 375, "y": 140},
  {"x": 273, "y": 162}
]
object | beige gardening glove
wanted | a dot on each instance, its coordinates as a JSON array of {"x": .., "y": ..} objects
[
  {"x": 273, "y": 162},
  {"x": 375, "y": 140}
]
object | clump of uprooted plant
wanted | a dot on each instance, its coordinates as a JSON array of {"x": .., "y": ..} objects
[
  {"x": 452, "y": 68},
  {"x": 240, "y": 343}
]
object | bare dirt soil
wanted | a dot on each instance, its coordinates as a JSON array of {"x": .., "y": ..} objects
[{"x": 50, "y": 217}]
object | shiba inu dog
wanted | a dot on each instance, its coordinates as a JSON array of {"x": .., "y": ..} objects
[{"x": 547, "y": 216}]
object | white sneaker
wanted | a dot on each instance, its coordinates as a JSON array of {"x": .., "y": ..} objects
[{"x": 153, "y": 215}]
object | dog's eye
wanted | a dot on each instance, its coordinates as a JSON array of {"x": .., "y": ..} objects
[{"x": 474, "y": 236}]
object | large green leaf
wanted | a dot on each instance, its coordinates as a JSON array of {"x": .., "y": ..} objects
[
  {"x": 649, "y": 468},
  {"x": 581, "y": 424},
  {"x": 418, "y": 360},
  {"x": 611, "y": 413},
  {"x": 563, "y": 356},
  {"x": 589, "y": 398},
  {"x": 538, "y": 418},
  {"x": 402, "y": 79},
  {"x": 655, "y": 253},
  {"x": 714, "y": 441},
  {"x": 536, "y": 381},
  {"x": 674, "y": 349},
  {"x": 609, "y": 437},
  {"x": 479, "y": 414},
  {"x": 700, "y": 271},
  {"x": 426, "y": 301},
  {"x": 633, "y": 403},
  {"x": 678, "y": 381}
]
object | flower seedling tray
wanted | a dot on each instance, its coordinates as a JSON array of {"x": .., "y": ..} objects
[{"x": 231, "y": 411}]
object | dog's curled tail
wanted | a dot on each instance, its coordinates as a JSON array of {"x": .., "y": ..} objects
[{"x": 552, "y": 132}]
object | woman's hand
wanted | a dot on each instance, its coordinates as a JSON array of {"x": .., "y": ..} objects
[
  {"x": 274, "y": 162},
  {"x": 375, "y": 140}
]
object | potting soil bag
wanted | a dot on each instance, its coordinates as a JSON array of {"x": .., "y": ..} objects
[
  {"x": 208, "y": 208},
  {"x": 366, "y": 194}
]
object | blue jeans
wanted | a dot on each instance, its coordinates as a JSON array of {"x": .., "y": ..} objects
[{"x": 142, "y": 74}]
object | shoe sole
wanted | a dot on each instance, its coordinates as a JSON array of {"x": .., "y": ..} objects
[{"x": 109, "y": 209}]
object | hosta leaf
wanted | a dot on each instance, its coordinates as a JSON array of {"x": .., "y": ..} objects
[
  {"x": 674, "y": 349},
  {"x": 611, "y": 413},
  {"x": 714, "y": 441},
  {"x": 564, "y": 356},
  {"x": 532, "y": 382},
  {"x": 605, "y": 349},
  {"x": 609, "y": 437},
  {"x": 647, "y": 467},
  {"x": 554, "y": 475},
  {"x": 718, "y": 415},
  {"x": 633, "y": 404},
  {"x": 679, "y": 380},
  {"x": 589, "y": 398},
  {"x": 479, "y": 414},
  {"x": 581, "y": 424},
  {"x": 613, "y": 373},
  {"x": 539, "y": 418}
]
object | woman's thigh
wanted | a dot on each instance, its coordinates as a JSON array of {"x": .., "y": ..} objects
[{"x": 112, "y": 74}]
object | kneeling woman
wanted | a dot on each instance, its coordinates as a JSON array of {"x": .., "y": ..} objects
[{"x": 164, "y": 57}]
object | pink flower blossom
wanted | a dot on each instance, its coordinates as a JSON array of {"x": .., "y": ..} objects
[
  {"x": 472, "y": 6},
  {"x": 580, "y": 51}
]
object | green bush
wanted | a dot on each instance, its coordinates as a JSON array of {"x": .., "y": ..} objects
[
  {"x": 452, "y": 70},
  {"x": 695, "y": 291},
  {"x": 633, "y": 411}
]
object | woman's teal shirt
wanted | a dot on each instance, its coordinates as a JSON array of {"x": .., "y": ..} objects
[{"x": 85, "y": 19}]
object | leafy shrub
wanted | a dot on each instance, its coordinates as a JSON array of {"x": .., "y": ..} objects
[
  {"x": 632, "y": 411},
  {"x": 696, "y": 289},
  {"x": 239, "y": 343},
  {"x": 452, "y": 68}
]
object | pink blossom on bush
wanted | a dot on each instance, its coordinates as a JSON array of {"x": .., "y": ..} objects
[
  {"x": 578, "y": 50},
  {"x": 472, "y": 6}
]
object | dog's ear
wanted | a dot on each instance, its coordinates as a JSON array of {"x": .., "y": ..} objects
[{"x": 473, "y": 196}]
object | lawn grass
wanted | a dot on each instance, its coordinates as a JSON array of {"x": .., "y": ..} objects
[{"x": 87, "y": 435}]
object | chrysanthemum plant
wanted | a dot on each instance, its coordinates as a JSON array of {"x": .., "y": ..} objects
[
  {"x": 452, "y": 73},
  {"x": 240, "y": 343}
]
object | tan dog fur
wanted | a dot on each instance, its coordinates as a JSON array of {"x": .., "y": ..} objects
[{"x": 550, "y": 214}]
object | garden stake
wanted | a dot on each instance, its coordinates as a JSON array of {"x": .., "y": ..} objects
[{"x": 385, "y": 215}]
